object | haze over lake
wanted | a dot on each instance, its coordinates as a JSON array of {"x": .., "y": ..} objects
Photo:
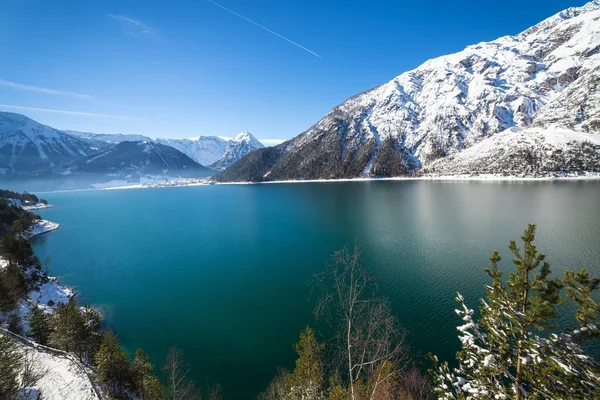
[{"x": 222, "y": 271}]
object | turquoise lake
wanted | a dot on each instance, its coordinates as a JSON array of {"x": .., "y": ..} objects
[{"x": 222, "y": 271}]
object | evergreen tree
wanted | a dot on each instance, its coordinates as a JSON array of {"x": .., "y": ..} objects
[
  {"x": 66, "y": 325},
  {"x": 39, "y": 325},
  {"x": 10, "y": 366},
  {"x": 21, "y": 226},
  {"x": 16, "y": 249},
  {"x": 308, "y": 378},
  {"x": 503, "y": 353},
  {"x": 76, "y": 329},
  {"x": 112, "y": 366},
  {"x": 12, "y": 286},
  {"x": 147, "y": 385},
  {"x": 90, "y": 334}
]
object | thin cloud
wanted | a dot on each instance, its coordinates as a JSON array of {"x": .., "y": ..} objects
[
  {"x": 134, "y": 26},
  {"x": 265, "y": 28},
  {"x": 84, "y": 114},
  {"x": 45, "y": 90}
]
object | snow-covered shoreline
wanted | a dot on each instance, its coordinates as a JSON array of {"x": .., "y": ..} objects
[
  {"x": 40, "y": 227},
  {"x": 165, "y": 184},
  {"x": 448, "y": 178},
  {"x": 38, "y": 206},
  {"x": 46, "y": 297},
  {"x": 479, "y": 178},
  {"x": 63, "y": 377}
]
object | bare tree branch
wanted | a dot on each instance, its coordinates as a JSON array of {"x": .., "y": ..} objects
[{"x": 368, "y": 336}]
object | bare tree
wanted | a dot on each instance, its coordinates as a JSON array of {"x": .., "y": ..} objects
[
  {"x": 369, "y": 343},
  {"x": 413, "y": 384},
  {"x": 181, "y": 386},
  {"x": 276, "y": 389},
  {"x": 211, "y": 392}
]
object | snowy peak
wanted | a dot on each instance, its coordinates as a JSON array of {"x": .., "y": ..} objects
[
  {"x": 238, "y": 147},
  {"x": 557, "y": 18},
  {"x": 246, "y": 137},
  {"x": 205, "y": 150},
  {"x": 547, "y": 77}
]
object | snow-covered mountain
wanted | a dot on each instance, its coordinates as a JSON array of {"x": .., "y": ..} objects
[
  {"x": 241, "y": 145},
  {"x": 108, "y": 138},
  {"x": 546, "y": 77},
  {"x": 54, "y": 159},
  {"x": 134, "y": 160},
  {"x": 205, "y": 150},
  {"x": 27, "y": 146}
]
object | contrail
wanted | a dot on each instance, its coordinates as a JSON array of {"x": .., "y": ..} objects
[
  {"x": 85, "y": 114},
  {"x": 265, "y": 28}
]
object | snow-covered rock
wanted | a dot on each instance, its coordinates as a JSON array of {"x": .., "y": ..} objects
[
  {"x": 546, "y": 76},
  {"x": 40, "y": 227},
  {"x": 238, "y": 147},
  {"x": 27, "y": 146},
  {"x": 205, "y": 150}
]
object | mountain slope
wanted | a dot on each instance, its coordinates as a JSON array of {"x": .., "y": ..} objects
[
  {"x": 132, "y": 160},
  {"x": 545, "y": 77},
  {"x": 205, "y": 150},
  {"x": 533, "y": 152},
  {"x": 27, "y": 146},
  {"x": 244, "y": 143}
]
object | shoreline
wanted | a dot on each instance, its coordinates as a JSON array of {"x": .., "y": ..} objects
[
  {"x": 49, "y": 291},
  {"x": 450, "y": 178},
  {"x": 64, "y": 377},
  {"x": 446, "y": 178},
  {"x": 480, "y": 178},
  {"x": 38, "y": 206}
]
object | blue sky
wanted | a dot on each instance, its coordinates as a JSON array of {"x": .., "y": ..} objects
[{"x": 183, "y": 68}]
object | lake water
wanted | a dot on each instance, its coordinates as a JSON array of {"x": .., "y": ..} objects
[{"x": 222, "y": 271}]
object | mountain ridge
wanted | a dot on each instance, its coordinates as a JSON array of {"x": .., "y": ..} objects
[
  {"x": 32, "y": 151},
  {"x": 208, "y": 151},
  {"x": 27, "y": 146},
  {"x": 449, "y": 104},
  {"x": 135, "y": 159}
]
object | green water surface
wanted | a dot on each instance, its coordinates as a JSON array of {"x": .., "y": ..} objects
[{"x": 222, "y": 271}]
